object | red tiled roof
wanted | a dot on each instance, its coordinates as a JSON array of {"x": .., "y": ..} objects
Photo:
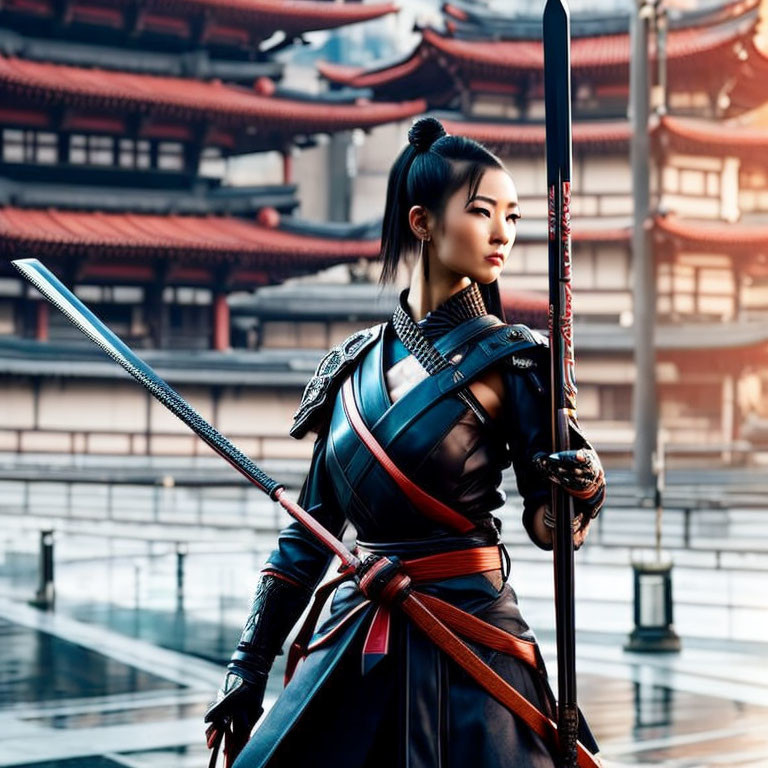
[
  {"x": 603, "y": 135},
  {"x": 605, "y": 53},
  {"x": 188, "y": 98},
  {"x": 286, "y": 15},
  {"x": 749, "y": 89},
  {"x": 259, "y": 18},
  {"x": 187, "y": 238},
  {"x": 711, "y": 138},
  {"x": 359, "y": 77},
  {"x": 713, "y": 236}
]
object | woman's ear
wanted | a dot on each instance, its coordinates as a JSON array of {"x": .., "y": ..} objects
[{"x": 419, "y": 222}]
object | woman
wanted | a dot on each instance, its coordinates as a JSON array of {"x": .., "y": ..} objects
[{"x": 452, "y": 396}]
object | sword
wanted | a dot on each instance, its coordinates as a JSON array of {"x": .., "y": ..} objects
[{"x": 557, "y": 100}]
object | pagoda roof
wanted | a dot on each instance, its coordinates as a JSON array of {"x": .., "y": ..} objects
[
  {"x": 235, "y": 22},
  {"x": 693, "y": 136},
  {"x": 697, "y": 52},
  {"x": 183, "y": 100},
  {"x": 258, "y": 254},
  {"x": 715, "y": 237},
  {"x": 469, "y": 19},
  {"x": 525, "y": 138}
]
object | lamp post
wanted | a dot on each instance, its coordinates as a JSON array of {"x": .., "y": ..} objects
[
  {"x": 654, "y": 621},
  {"x": 45, "y": 597}
]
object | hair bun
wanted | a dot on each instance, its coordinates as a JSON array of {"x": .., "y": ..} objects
[{"x": 425, "y": 132}]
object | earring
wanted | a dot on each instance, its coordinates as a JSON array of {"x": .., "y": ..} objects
[{"x": 424, "y": 260}]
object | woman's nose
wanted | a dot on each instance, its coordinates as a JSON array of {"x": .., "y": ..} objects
[{"x": 502, "y": 231}]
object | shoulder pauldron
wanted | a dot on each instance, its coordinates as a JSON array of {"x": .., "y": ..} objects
[
  {"x": 318, "y": 394},
  {"x": 527, "y": 358}
]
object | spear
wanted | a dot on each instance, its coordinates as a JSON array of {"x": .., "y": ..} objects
[{"x": 557, "y": 99}]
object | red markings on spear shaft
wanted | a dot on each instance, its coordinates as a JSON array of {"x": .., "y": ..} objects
[{"x": 560, "y": 219}]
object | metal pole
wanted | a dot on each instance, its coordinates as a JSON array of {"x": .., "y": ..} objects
[
  {"x": 644, "y": 293},
  {"x": 660, "y": 478},
  {"x": 46, "y": 595},
  {"x": 181, "y": 552}
]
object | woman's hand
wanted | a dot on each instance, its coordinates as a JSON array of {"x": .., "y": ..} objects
[
  {"x": 544, "y": 524},
  {"x": 579, "y": 472}
]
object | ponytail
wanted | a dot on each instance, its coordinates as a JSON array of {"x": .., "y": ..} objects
[{"x": 427, "y": 172}]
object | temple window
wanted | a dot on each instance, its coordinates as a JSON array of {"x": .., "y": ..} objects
[
  {"x": 697, "y": 285},
  {"x": 497, "y": 105},
  {"x": 170, "y": 156},
  {"x": 91, "y": 150},
  {"x": 753, "y": 189},
  {"x": 615, "y": 402},
  {"x": 30, "y": 147},
  {"x": 134, "y": 153}
]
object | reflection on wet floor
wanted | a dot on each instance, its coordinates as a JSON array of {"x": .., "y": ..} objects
[
  {"x": 641, "y": 723},
  {"x": 172, "y": 710},
  {"x": 127, "y": 681},
  {"x": 37, "y": 666}
]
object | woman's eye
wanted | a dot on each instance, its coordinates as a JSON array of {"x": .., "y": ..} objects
[
  {"x": 481, "y": 210},
  {"x": 513, "y": 217}
]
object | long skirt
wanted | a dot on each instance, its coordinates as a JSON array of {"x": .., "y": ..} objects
[{"x": 415, "y": 708}]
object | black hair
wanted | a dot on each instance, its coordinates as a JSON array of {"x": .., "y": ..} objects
[{"x": 427, "y": 172}]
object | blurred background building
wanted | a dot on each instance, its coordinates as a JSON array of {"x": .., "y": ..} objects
[
  {"x": 209, "y": 177},
  {"x": 213, "y": 190}
]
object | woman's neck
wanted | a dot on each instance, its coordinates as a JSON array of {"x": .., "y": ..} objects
[{"x": 425, "y": 296}]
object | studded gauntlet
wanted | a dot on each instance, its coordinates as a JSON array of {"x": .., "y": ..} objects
[
  {"x": 580, "y": 473},
  {"x": 277, "y": 605}
]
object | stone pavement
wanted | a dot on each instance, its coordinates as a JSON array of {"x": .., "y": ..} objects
[
  {"x": 121, "y": 672},
  {"x": 84, "y": 696}
]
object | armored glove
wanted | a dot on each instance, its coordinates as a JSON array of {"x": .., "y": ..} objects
[
  {"x": 580, "y": 473},
  {"x": 277, "y": 605}
]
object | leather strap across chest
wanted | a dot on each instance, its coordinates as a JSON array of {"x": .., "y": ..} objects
[{"x": 493, "y": 345}]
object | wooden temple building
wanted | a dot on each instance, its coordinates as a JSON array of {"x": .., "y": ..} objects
[
  {"x": 110, "y": 114},
  {"x": 481, "y": 74}
]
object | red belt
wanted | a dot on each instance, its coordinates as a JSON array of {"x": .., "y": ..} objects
[
  {"x": 445, "y": 565},
  {"x": 440, "y": 620}
]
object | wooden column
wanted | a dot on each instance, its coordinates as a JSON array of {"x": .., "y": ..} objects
[
  {"x": 156, "y": 309},
  {"x": 287, "y": 166},
  {"x": 41, "y": 321},
  {"x": 221, "y": 340},
  {"x": 728, "y": 415}
]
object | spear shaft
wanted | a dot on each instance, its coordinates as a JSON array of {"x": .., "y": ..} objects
[{"x": 557, "y": 95}]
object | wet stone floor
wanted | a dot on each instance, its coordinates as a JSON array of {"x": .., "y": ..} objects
[
  {"x": 123, "y": 677},
  {"x": 65, "y": 704}
]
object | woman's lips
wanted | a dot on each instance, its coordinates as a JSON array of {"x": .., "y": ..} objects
[{"x": 496, "y": 260}]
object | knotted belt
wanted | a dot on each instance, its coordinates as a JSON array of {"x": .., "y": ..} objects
[
  {"x": 381, "y": 580},
  {"x": 389, "y": 581}
]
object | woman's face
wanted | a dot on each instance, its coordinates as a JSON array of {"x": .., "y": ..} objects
[{"x": 473, "y": 239}]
